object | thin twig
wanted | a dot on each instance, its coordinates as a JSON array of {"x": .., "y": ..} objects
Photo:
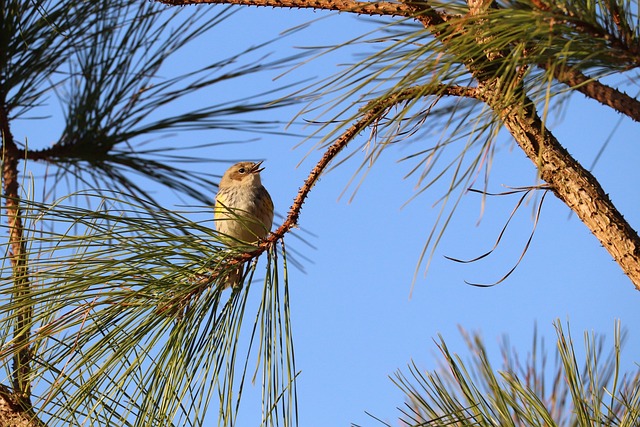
[{"x": 373, "y": 111}]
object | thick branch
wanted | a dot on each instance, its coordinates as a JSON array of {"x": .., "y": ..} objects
[
  {"x": 11, "y": 413},
  {"x": 382, "y": 8},
  {"x": 602, "y": 93},
  {"x": 577, "y": 187},
  {"x": 571, "y": 182}
]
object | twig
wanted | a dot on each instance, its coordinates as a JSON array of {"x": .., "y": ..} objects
[{"x": 373, "y": 111}]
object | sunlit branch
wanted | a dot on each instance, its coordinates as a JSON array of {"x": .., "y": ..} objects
[
  {"x": 374, "y": 8},
  {"x": 575, "y": 186},
  {"x": 602, "y": 93},
  {"x": 570, "y": 181},
  {"x": 372, "y": 112}
]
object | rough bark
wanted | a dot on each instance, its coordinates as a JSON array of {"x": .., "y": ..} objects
[
  {"x": 606, "y": 95},
  {"x": 576, "y": 187},
  {"x": 11, "y": 413},
  {"x": 569, "y": 180}
]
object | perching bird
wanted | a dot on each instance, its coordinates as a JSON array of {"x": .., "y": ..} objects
[{"x": 243, "y": 210}]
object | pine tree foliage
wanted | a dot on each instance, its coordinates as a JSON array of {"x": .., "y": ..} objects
[
  {"x": 130, "y": 327},
  {"x": 524, "y": 392},
  {"x": 456, "y": 74},
  {"x": 113, "y": 311},
  {"x": 102, "y": 62}
]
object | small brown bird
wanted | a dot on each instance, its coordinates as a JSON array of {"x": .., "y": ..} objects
[{"x": 243, "y": 210}]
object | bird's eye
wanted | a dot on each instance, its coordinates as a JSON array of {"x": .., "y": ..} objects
[{"x": 241, "y": 170}]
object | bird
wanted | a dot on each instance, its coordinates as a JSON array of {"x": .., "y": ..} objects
[{"x": 243, "y": 211}]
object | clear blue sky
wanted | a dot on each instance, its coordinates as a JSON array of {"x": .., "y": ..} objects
[{"x": 355, "y": 318}]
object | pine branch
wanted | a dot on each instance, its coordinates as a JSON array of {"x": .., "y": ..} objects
[
  {"x": 21, "y": 376},
  {"x": 523, "y": 391},
  {"x": 572, "y": 76},
  {"x": 373, "y": 112},
  {"x": 576, "y": 187},
  {"x": 602, "y": 93},
  {"x": 381, "y": 8},
  {"x": 571, "y": 182}
]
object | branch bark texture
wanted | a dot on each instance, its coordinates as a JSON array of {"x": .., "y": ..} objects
[
  {"x": 382, "y": 8},
  {"x": 576, "y": 187},
  {"x": 606, "y": 95}
]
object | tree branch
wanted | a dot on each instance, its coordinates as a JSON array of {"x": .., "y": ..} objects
[
  {"x": 372, "y": 112},
  {"x": 21, "y": 377},
  {"x": 571, "y": 182},
  {"x": 373, "y": 8},
  {"x": 11, "y": 413},
  {"x": 575, "y": 186},
  {"x": 382, "y": 8},
  {"x": 602, "y": 93}
]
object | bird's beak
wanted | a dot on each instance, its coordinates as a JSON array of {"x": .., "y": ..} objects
[{"x": 256, "y": 167}]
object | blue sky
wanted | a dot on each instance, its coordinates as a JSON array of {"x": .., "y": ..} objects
[
  {"x": 357, "y": 314},
  {"x": 355, "y": 318}
]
